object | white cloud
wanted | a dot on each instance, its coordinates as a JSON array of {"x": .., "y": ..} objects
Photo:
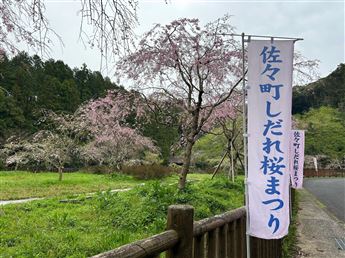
[{"x": 321, "y": 24}]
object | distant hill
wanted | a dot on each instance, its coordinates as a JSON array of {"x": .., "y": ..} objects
[
  {"x": 29, "y": 84},
  {"x": 328, "y": 91}
]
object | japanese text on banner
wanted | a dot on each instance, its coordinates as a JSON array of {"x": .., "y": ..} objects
[
  {"x": 269, "y": 126},
  {"x": 297, "y": 158}
]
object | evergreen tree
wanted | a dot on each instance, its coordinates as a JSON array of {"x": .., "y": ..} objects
[
  {"x": 11, "y": 116},
  {"x": 328, "y": 91},
  {"x": 34, "y": 85}
]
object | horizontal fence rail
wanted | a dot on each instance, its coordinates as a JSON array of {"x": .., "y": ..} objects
[
  {"x": 146, "y": 247},
  {"x": 324, "y": 173},
  {"x": 221, "y": 236}
]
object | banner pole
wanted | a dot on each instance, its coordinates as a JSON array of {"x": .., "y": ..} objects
[
  {"x": 245, "y": 135},
  {"x": 261, "y": 36}
]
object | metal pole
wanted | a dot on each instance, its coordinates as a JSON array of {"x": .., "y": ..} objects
[
  {"x": 290, "y": 203},
  {"x": 261, "y": 36},
  {"x": 245, "y": 135}
]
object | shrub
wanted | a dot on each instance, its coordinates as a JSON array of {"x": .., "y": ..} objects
[
  {"x": 201, "y": 165},
  {"x": 152, "y": 158},
  {"x": 99, "y": 169},
  {"x": 2, "y": 164},
  {"x": 148, "y": 171}
]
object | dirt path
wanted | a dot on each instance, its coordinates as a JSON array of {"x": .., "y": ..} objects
[
  {"x": 318, "y": 229},
  {"x": 5, "y": 202}
]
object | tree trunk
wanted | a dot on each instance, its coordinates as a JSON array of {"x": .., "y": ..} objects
[
  {"x": 238, "y": 156},
  {"x": 186, "y": 165},
  {"x": 220, "y": 163},
  {"x": 231, "y": 172},
  {"x": 60, "y": 173}
]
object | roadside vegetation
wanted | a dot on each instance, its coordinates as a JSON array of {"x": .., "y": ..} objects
[{"x": 290, "y": 248}]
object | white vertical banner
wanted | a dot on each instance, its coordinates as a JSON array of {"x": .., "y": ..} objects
[
  {"x": 297, "y": 158},
  {"x": 315, "y": 163},
  {"x": 269, "y": 128}
]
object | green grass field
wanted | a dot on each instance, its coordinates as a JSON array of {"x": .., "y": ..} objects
[
  {"x": 20, "y": 185},
  {"x": 50, "y": 228}
]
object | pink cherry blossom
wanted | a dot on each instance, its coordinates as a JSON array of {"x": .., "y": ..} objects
[
  {"x": 197, "y": 67},
  {"x": 114, "y": 139}
]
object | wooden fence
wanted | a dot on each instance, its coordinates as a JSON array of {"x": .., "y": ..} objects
[
  {"x": 324, "y": 173},
  {"x": 221, "y": 236}
]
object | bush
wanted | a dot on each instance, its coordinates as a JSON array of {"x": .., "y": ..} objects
[
  {"x": 148, "y": 171},
  {"x": 98, "y": 169},
  {"x": 144, "y": 208},
  {"x": 152, "y": 158},
  {"x": 2, "y": 164},
  {"x": 201, "y": 165}
]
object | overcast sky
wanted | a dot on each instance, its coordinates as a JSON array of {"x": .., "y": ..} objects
[{"x": 320, "y": 23}]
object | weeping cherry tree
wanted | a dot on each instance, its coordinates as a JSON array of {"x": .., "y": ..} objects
[{"x": 198, "y": 67}]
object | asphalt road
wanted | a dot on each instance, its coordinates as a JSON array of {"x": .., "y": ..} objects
[{"x": 330, "y": 192}]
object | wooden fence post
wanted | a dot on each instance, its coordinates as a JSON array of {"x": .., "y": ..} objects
[
  {"x": 212, "y": 244},
  {"x": 181, "y": 219},
  {"x": 244, "y": 236},
  {"x": 199, "y": 246},
  {"x": 239, "y": 251},
  {"x": 231, "y": 239},
  {"x": 222, "y": 241}
]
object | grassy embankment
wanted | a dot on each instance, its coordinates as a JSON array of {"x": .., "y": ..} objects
[{"x": 50, "y": 228}]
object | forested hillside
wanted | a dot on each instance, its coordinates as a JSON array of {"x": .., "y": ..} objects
[
  {"x": 319, "y": 108},
  {"x": 328, "y": 91},
  {"x": 28, "y": 84},
  {"x": 325, "y": 131}
]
